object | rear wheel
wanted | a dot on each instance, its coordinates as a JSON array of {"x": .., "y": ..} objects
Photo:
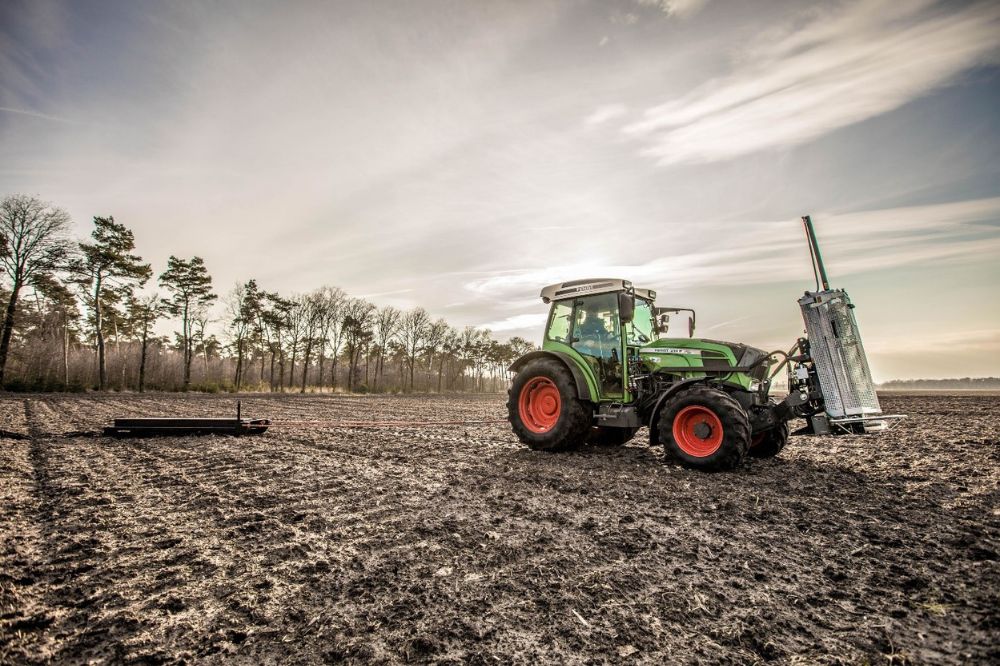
[
  {"x": 704, "y": 428},
  {"x": 608, "y": 436},
  {"x": 770, "y": 442},
  {"x": 544, "y": 409}
]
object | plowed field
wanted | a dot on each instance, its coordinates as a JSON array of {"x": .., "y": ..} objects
[{"x": 456, "y": 544}]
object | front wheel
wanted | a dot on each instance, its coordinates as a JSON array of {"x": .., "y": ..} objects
[
  {"x": 769, "y": 443},
  {"x": 704, "y": 428},
  {"x": 544, "y": 409}
]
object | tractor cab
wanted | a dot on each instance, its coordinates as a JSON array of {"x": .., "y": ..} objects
[
  {"x": 614, "y": 332},
  {"x": 593, "y": 323}
]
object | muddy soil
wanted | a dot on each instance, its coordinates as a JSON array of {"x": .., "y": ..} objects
[{"x": 456, "y": 544}]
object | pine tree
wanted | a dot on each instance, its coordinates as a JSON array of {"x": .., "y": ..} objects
[
  {"x": 190, "y": 287},
  {"x": 108, "y": 273}
]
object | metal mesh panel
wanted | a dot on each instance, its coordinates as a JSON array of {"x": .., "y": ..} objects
[{"x": 836, "y": 349}]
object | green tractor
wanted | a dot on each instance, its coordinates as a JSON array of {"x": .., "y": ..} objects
[{"x": 604, "y": 371}]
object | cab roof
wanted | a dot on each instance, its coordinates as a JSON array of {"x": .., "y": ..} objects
[{"x": 573, "y": 288}]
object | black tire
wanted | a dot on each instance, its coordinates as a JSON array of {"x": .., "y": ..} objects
[
  {"x": 570, "y": 422},
  {"x": 770, "y": 442},
  {"x": 609, "y": 436},
  {"x": 713, "y": 432}
]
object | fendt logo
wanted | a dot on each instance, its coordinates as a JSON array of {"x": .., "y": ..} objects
[
  {"x": 670, "y": 350},
  {"x": 589, "y": 287}
]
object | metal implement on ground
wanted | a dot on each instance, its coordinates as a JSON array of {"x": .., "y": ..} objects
[
  {"x": 175, "y": 426},
  {"x": 180, "y": 426},
  {"x": 607, "y": 368},
  {"x": 167, "y": 426}
]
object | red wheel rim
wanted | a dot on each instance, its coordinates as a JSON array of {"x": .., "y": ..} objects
[
  {"x": 697, "y": 431},
  {"x": 540, "y": 404},
  {"x": 757, "y": 439}
]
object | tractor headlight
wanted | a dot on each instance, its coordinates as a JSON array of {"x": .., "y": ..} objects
[{"x": 755, "y": 385}]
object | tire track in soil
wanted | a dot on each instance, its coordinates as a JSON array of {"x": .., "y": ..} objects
[
  {"x": 25, "y": 614},
  {"x": 12, "y": 423},
  {"x": 80, "y": 526}
]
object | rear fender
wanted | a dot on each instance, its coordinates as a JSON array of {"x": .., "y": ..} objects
[
  {"x": 583, "y": 388},
  {"x": 654, "y": 416}
]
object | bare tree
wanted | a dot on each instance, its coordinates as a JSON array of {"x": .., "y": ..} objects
[
  {"x": 275, "y": 320},
  {"x": 293, "y": 334},
  {"x": 413, "y": 334},
  {"x": 57, "y": 312},
  {"x": 312, "y": 305},
  {"x": 437, "y": 334},
  {"x": 203, "y": 341},
  {"x": 452, "y": 351},
  {"x": 243, "y": 306},
  {"x": 142, "y": 315},
  {"x": 386, "y": 324},
  {"x": 33, "y": 240},
  {"x": 332, "y": 329},
  {"x": 328, "y": 302},
  {"x": 356, "y": 328},
  {"x": 474, "y": 343}
]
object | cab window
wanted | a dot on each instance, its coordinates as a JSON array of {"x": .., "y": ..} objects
[
  {"x": 640, "y": 329},
  {"x": 559, "y": 321},
  {"x": 597, "y": 338}
]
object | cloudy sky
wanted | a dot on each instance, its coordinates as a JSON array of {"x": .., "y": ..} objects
[{"x": 461, "y": 155}]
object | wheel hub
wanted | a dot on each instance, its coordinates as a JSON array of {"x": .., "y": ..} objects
[
  {"x": 540, "y": 404},
  {"x": 698, "y": 431}
]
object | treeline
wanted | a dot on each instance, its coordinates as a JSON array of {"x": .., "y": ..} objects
[
  {"x": 965, "y": 383},
  {"x": 80, "y": 316}
]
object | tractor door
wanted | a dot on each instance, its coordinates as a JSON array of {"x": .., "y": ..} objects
[{"x": 597, "y": 337}]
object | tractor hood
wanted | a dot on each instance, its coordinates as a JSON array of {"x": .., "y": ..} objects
[{"x": 702, "y": 353}]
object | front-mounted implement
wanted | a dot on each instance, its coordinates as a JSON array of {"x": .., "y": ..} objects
[
  {"x": 835, "y": 360},
  {"x": 607, "y": 368}
]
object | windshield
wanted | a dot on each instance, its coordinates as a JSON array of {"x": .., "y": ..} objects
[{"x": 640, "y": 331}]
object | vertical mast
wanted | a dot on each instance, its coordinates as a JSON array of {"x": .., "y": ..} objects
[{"x": 814, "y": 251}]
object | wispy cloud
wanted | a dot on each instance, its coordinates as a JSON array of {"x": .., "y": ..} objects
[
  {"x": 680, "y": 8},
  {"x": 774, "y": 251},
  {"x": 843, "y": 66},
  {"x": 727, "y": 323},
  {"x": 603, "y": 114},
  {"x": 531, "y": 321},
  {"x": 36, "y": 114},
  {"x": 382, "y": 294}
]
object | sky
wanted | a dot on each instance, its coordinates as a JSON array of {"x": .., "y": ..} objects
[{"x": 462, "y": 155}]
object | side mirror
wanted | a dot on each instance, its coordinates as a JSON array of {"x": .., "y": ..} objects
[
  {"x": 626, "y": 306},
  {"x": 662, "y": 318}
]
